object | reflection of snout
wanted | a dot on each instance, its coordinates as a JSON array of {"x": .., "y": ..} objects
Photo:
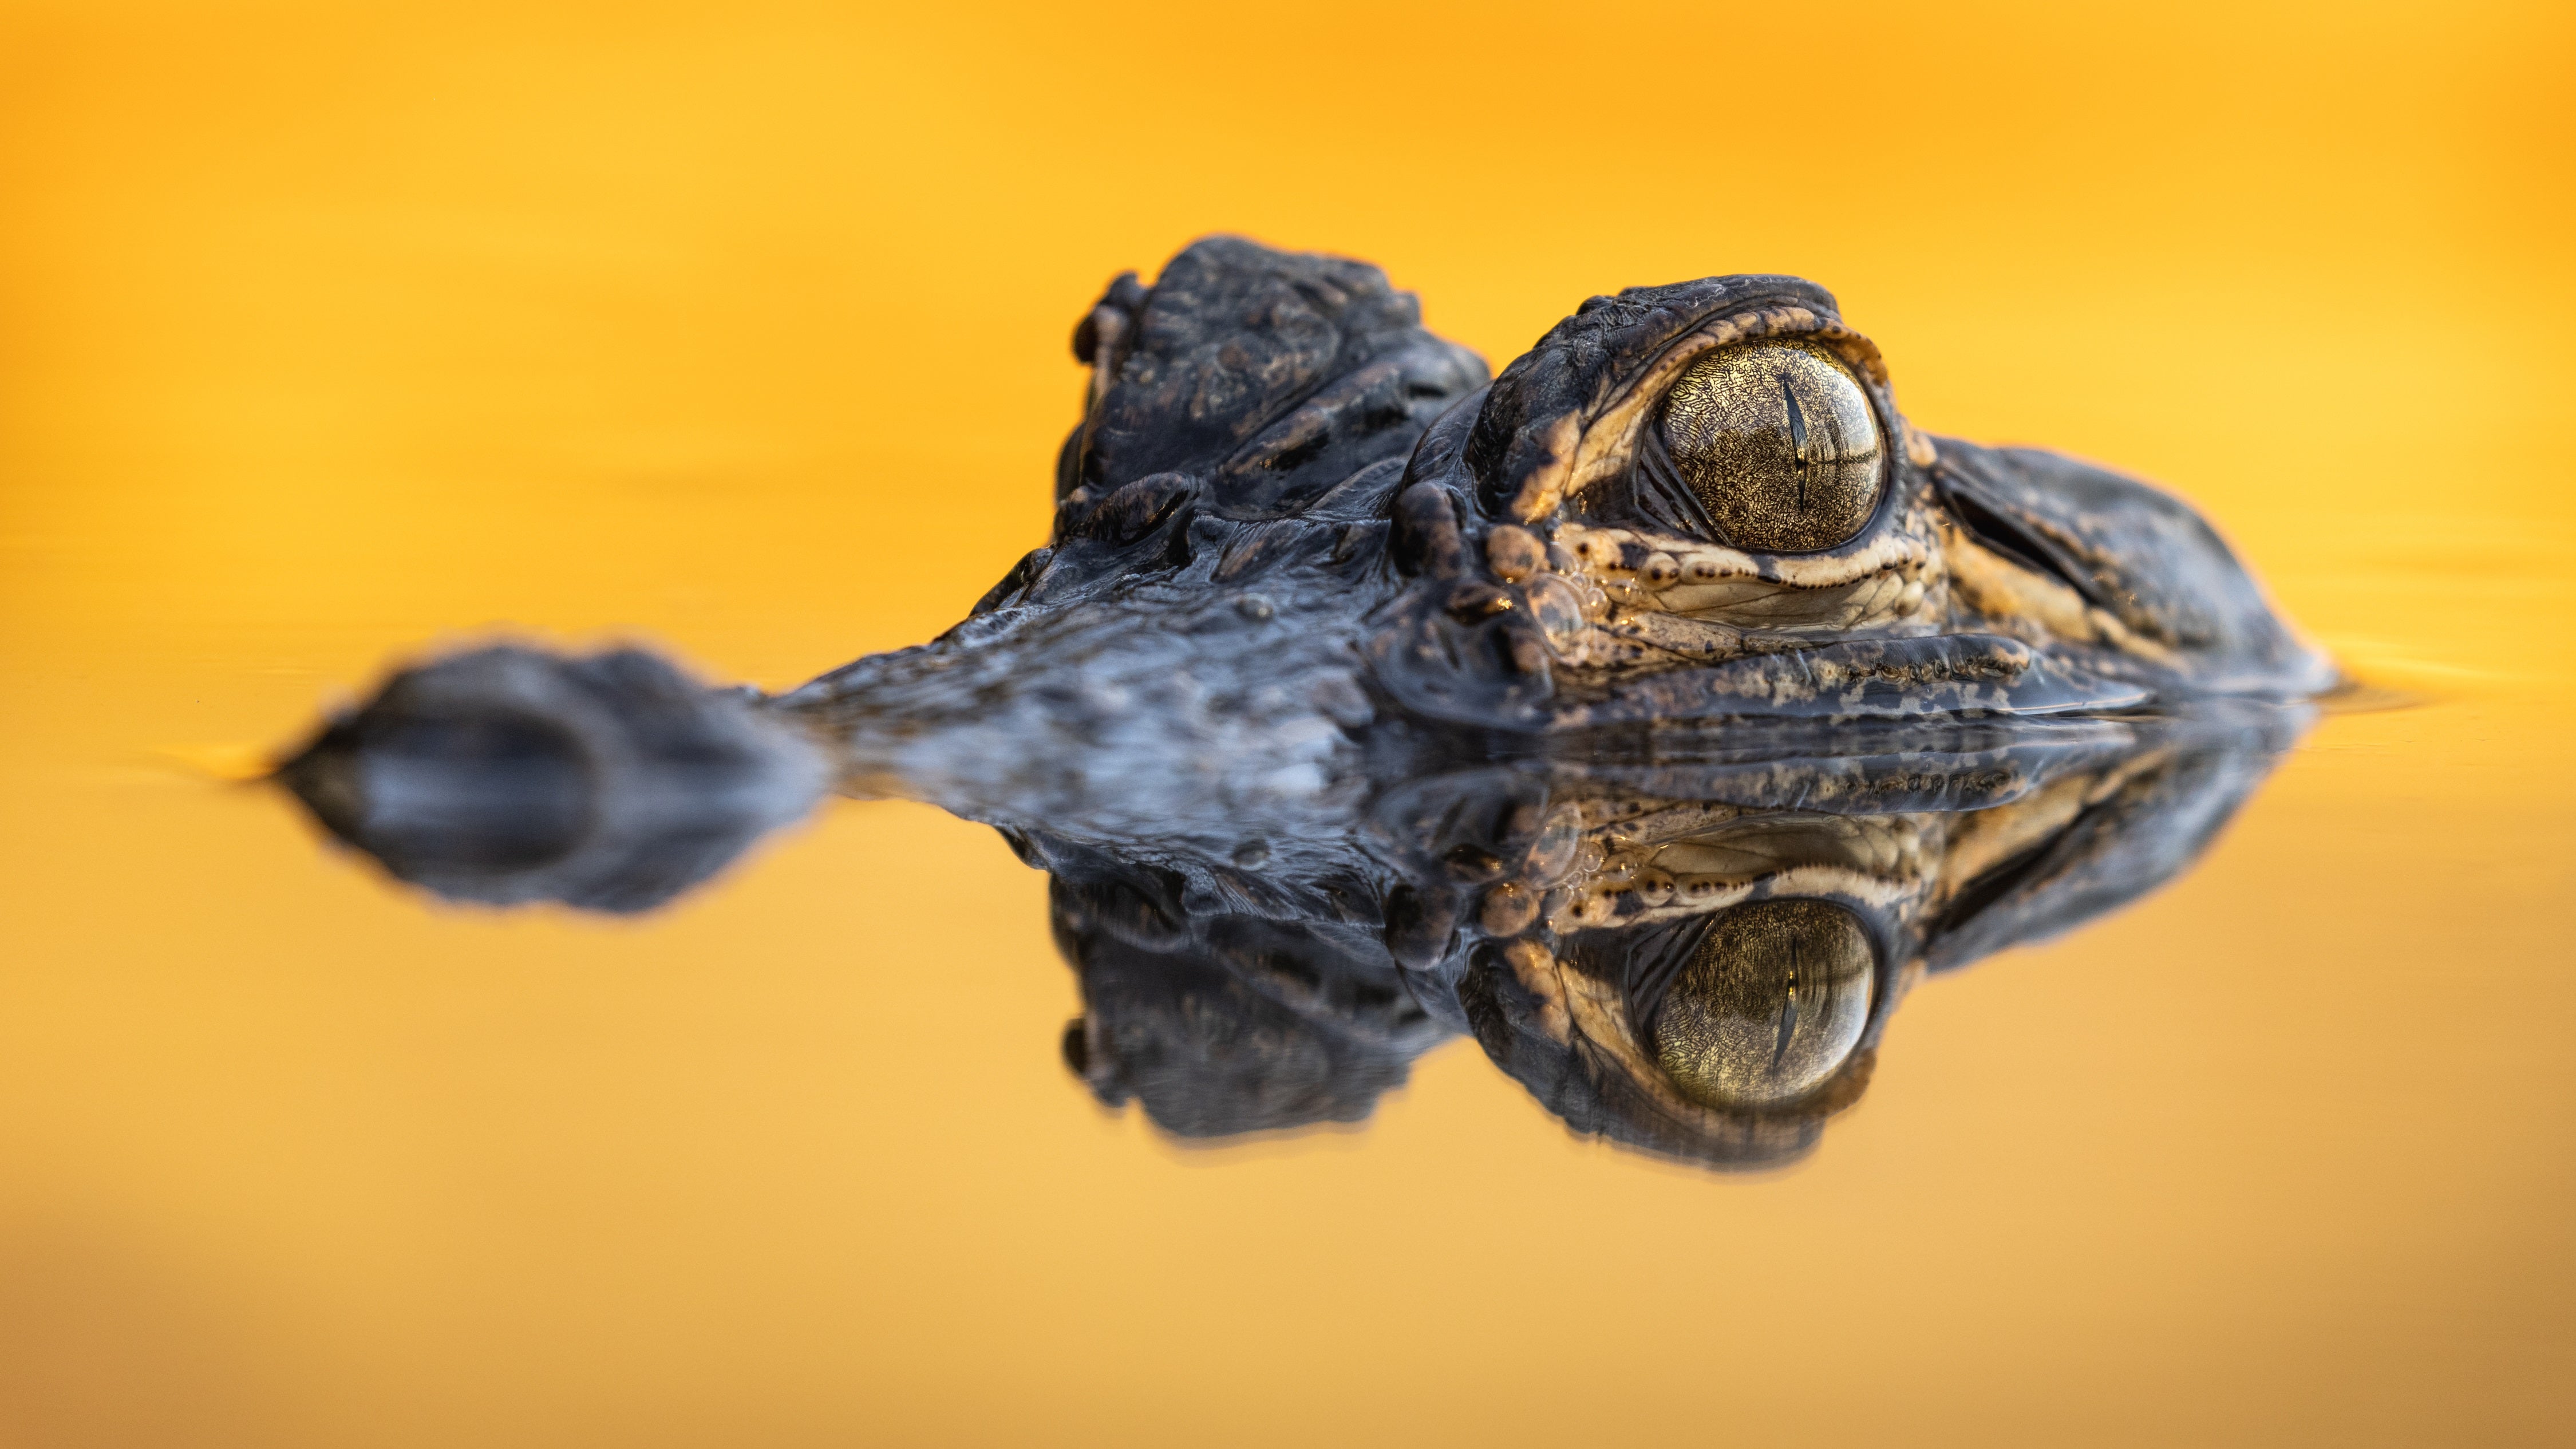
[{"x": 507, "y": 775}]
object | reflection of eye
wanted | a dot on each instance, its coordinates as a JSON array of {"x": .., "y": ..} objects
[
  {"x": 1779, "y": 443},
  {"x": 1771, "y": 1004}
]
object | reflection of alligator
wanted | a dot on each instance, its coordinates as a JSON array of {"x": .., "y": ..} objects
[
  {"x": 1682, "y": 562},
  {"x": 1695, "y": 953},
  {"x": 1691, "y": 955}
]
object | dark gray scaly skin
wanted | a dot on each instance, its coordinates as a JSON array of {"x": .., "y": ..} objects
[{"x": 1357, "y": 702}]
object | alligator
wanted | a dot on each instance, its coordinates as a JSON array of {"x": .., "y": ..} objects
[{"x": 1656, "y": 711}]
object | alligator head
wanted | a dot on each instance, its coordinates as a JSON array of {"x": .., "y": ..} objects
[
  {"x": 1291, "y": 517},
  {"x": 1657, "y": 711}
]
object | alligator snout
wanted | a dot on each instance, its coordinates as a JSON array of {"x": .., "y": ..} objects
[{"x": 505, "y": 775}]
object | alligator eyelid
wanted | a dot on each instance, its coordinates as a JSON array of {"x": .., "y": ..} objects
[
  {"x": 1663, "y": 497},
  {"x": 1655, "y": 962}
]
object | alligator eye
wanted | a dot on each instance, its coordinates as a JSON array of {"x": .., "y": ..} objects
[
  {"x": 1779, "y": 443},
  {"x": 1770, "y": 1005}
]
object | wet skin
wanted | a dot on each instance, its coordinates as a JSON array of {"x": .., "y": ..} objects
[{"x": 1657, "y": 711}]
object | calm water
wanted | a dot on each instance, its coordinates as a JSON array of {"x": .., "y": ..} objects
[{"x": 351, "y": 342}]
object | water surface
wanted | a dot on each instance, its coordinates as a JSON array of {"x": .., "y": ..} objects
[{"x": 353, "y": 342}]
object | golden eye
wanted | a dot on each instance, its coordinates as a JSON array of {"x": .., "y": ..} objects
[
  {"x": 1770, "y": 1005},
  {"x": 1778, "y": 441}
]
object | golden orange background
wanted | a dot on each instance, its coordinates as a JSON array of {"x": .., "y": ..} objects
[{"x": 331, "y": 331}]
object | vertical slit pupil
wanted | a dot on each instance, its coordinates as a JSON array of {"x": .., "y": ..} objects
[
  {"x": 1797, "y": 438},
  {"x": 1789, "y": 1013}
]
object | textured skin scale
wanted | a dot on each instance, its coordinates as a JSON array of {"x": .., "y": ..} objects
[{"x": 1356, "y": 701}]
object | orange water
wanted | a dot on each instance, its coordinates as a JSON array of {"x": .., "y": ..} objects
[{"x": 327, "y": 332}]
